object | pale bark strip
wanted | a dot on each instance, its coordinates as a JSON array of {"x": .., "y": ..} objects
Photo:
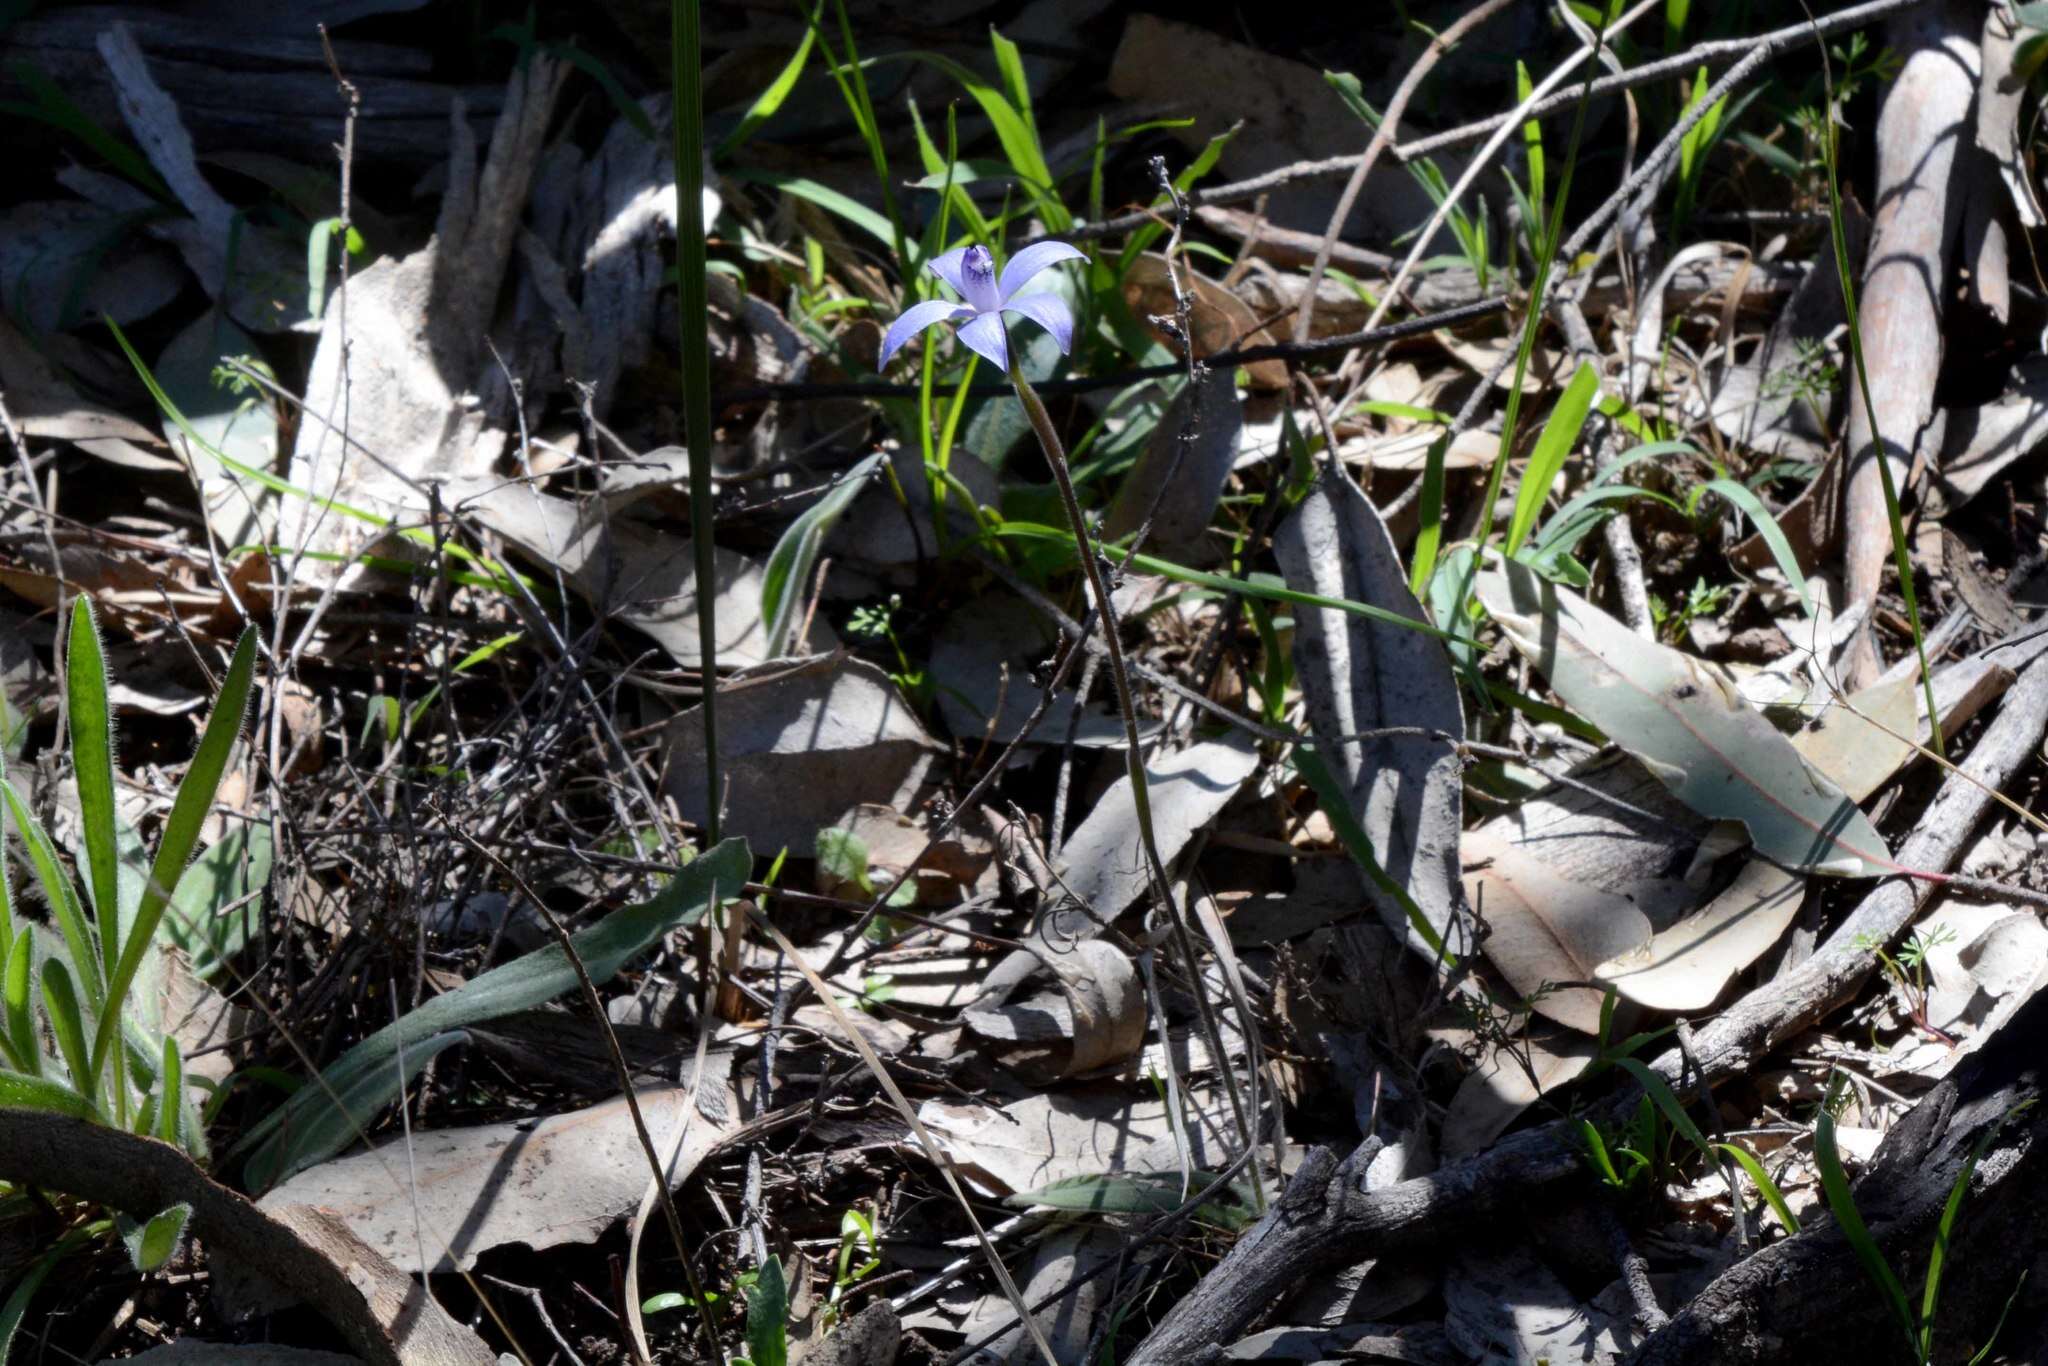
[{"x": 1927, "y": 117}]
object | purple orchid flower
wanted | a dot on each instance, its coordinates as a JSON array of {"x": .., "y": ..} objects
[{"x": 972, "y": 272}]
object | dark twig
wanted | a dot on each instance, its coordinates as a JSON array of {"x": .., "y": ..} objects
[
  {"x": 625, "y": 1072},
  {"x": 1682, "y": 64},
  {"x": 1080, "y": 384},
  {"x": 1390, "y": 124}
]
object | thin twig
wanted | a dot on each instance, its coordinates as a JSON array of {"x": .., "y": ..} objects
[
  {"x": 1680, "y": 64},
  {"x": 1117, "y": 379},
  {"x": 625, "y": 1073},
  {"x": 1134, "y": 752},
  {"x": 1390, "y": 124}
]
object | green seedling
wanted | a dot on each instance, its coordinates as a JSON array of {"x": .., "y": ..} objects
[
  {"x": 1908, "y": 968},
  {"x": 111, "y": 1065}
]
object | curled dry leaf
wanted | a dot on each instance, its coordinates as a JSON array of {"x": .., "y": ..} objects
[
  {"x": 457, "y": 1193},
  {"x": 800, "y": 749},
  {"x": 1221, "y": 320},
  {"x": 1687, "y": 965},
  {"x": 1359, "y": 676},
  {"x": 1103, "y": 1023},
  {"x": 1685, "y": 720}
]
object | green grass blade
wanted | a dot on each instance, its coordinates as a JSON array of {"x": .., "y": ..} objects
[
  {"x": 320, "y": 1119},
  {"x": 1937, "y": 1256},
  {"x": 1774, "y": 1197},
  {"x": 25, "y": 1053},
  {"x": 1997, "y": 1329},
  {"x": 60, "y": 1004},
  {"x": 693, "y": 314},
  {"x": 825, "y": 197},
  {"x": 770, "y": 100},
  {"x": 58, "y": 891},
  {"x": 1752, "y": 507},
  {"x": 1429, "y": 532},
  {"x": 1834, "y": 1183},
  {"x": 788, "y": 572},
  {"x": 1225, "y": 583},
  {"x": 1596, "y": 1153},
  {"x": 1659, "y": 1092},
  {"x": 180, "y": 837},
  {"x": 1553, "y": 447},
  {"x": 18, "y": 1300},
  {"x": 92, "y": 759},
  {"x": 1553, "y": 235},
  {"x": 170, "y": 1092}
]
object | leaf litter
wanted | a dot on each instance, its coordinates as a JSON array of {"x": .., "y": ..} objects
[{"x": 1439, "y": 880}]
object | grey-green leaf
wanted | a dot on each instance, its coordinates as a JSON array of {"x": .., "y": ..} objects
[
  {"x": 309, "y": 1127},
  {"x": 788, "y": 574},
  {"x": 151, "y": 1242},
  {"x": 1361, "y": 676},
  {"x": 1687, "y": 723}
]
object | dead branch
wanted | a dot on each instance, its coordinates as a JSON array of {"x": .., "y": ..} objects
[
  {"x": 1808, "y": 1298},
  {"x": 1326, "y": 1217},
  {"x": 377, "y": 1309},
  {"x": 1914, "y": 230}
]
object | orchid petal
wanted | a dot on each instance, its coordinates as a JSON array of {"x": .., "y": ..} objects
[
  {"x": 946, "y": 265},
  {"x": 985, "y": 335},
  {"x": 1050, "y": 312},
  {"x": 978, "y": 280},
  {"x": 1032, "y": 260},
  {"x": 916, "y": 319}
]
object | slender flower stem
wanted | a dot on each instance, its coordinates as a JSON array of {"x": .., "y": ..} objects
[{"x": 1134, "y": 754}]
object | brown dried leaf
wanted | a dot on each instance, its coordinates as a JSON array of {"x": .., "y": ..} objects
[
  {"x": 1221, "y": 320},
  {"x": 461, "y": 1192}
]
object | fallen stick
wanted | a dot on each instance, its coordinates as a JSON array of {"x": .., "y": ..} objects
[
  {"x": 379, "y": 1311},
  {"x": 1914, "y": 229},
  {"x": 1326, "y": 1217},
  {"x": 1808, "y": 1298},
  {"x": 1771, "y": 44}
]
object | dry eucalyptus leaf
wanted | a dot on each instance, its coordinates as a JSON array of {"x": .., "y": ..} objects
[
  {"x": 1359, "y": 675},
  {"x": 188, "y": 1352},
  {"x": 1545, "y": 928},
  {"x": 1496, "y": 1092},
  {"x": 1076, "y": 1131},
  {"x": 1685, "y": 720},
  {"x": 462, "y": 1192},
  {"x": 1105, "y": 866},
  {"x": 1178, "y": 488},
  {"x": 645, "y": 577},
  {"x": 800, "y": 749},
  {"x": 1221, "y": 321},
  {"x": 1686, "y": 966},
  {"x": 1547, "y": 368},
  {"x": 986, "y": 656},
  {"x": 1505, "y": 1305}
]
